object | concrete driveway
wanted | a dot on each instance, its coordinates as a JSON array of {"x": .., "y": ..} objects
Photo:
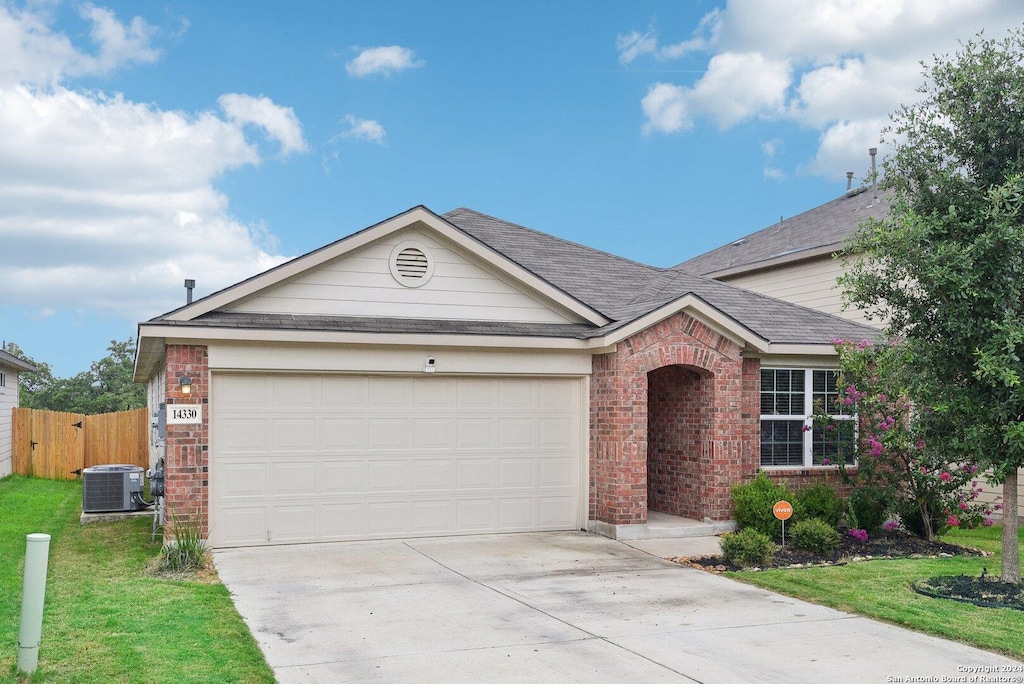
[{"x": 552, "y": 607}]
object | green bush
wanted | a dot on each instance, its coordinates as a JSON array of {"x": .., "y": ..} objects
[
  {"x": 748, "y": 548},
  {"x": 867, "y": 508},
  {"x": 753, "y": 502},
  {"x": 815, "y": 535},
  {"x": 819, "y": 501}
]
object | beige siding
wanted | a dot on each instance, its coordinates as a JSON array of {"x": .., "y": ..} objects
[
  {"x": 809, "y": 283},
  {"x": 994, "y": 493},
  {"x": 156, "y": 392},
  {"x": 8, "y": 400},
  {"x": 361, "y": 284}
]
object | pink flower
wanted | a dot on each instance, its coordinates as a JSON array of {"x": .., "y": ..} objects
[
  {"x": 859, "y": 535},
  {"x": 924, "y": 471},
  {"x": 986, "y": 522},
  {"x": 807, "y": 428},
  {"x": 963, "y": 506},
  {"x": 826, "y": 461},
  {"x": 953, "y": 521},
  {"x": 890, "y": 525},
  {"x": 920, "y": 444},
  {"x": 945, "y": 477}
]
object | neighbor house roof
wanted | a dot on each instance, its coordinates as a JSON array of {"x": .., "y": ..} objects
[
  {"x": 816, "y": 232},
  {"x": 11, "y": 361}
]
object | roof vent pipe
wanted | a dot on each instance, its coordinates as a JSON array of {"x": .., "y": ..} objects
[
  {"x": 189, "y": 286},
  {"x": 874, "y": 175},
  {"x": 849, "y": 181}
]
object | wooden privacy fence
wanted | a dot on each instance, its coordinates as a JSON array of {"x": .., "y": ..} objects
[{"x": 53, "y": 444}]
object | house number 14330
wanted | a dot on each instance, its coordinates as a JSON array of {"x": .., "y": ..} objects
[{"x": 183, "y": 414}]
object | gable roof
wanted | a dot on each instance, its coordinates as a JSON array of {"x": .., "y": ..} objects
[
  {"x": 11, "y": 361},
  {"x": 816, "y": 232},
  {"x": 615, "y": 297}
]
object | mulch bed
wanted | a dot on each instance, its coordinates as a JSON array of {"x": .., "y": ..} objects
[
  {"x": 985, "y": 591},
  {"x": 881, "y": 545}
]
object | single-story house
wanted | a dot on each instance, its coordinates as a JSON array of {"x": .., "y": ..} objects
[
  {"x": 444, "y": 374},
  {"x": 10, "y": 367}
]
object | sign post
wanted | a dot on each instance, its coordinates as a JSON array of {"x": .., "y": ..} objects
[{"x": 783, "y": 510}]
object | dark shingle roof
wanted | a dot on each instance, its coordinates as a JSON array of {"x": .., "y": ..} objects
[
  {"x": 12, "y": 361},
  {"x": 624, "y": 290},
  {"x": 824, "y": 226}
]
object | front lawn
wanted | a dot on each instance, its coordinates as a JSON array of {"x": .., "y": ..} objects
[
  {"x": 881, "y": 589},
  {"x": 107, "y": 618}
]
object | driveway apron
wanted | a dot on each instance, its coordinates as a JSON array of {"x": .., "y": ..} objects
[{"x": 553, "y": 607}]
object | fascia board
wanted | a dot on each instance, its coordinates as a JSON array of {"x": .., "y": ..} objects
[
  {"x": 364, "y": 237},
  {"x": 785, "y": 260},
  {"x": 200, "y": 334},
  {"x": 148, "y": 354}
]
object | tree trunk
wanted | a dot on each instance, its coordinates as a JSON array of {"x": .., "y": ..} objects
[{"x": 1011, "y": 558}]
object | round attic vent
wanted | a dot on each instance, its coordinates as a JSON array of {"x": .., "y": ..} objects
[{"x": 411, "y": 264}]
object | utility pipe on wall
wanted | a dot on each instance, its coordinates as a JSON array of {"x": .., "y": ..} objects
[{"x": 37, "y": 553}]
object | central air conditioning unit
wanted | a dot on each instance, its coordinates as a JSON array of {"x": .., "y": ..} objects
[{"x": 111, "y": 488}]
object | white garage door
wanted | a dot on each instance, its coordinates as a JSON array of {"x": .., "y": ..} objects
[{"x": 297, "y": 458}]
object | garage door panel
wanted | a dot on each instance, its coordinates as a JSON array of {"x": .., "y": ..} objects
[
  {"x": 376, "y": 457},
  {"x": 433, "y": 474},
  {"x": 514, "y": 433},
  {"x": 344, "y": 434},
  {"x": 293, "y": 391},
  {"x": 294, "y": 478},
  {"x": 293, "y": 434},
  {"x": 432, "y": 433},
  {"x": 340, "y": 477},
  {"x": 389, "y": 433},
  {"x": 475, "y": 433}
]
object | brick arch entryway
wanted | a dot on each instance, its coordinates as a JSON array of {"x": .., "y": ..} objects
[
  {"x": 624, "y": 428},
  {"x": 680, "y": 422}
]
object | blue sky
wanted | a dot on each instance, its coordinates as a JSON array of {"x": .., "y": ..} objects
[{"x": 141, "y": 144}]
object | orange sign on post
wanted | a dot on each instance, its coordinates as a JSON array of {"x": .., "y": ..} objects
[{"x": 783, "y": 510}]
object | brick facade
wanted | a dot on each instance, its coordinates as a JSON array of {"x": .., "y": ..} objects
[
  {"x": 679, "y": 401},
  {"x": 187, "y": 445}
]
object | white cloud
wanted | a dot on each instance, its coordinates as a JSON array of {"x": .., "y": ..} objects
[
  {"x": 838, "y": 67},
  {"x": 279, "y": 123},
  {"x": 665, "y": 109},
  {"x": 367, "y": 130},
  {"x": 106, "y": 204},
  {"x": 384, "y": 61}
]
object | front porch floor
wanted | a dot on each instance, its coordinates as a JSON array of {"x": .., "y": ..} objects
[{"x": 662, "y": 526}]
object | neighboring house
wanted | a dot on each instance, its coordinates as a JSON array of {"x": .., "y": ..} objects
[
  {"x": 794, "y": 259},
  {"x": 458, "y": 374},
  {"x": 10, "y": 367}
]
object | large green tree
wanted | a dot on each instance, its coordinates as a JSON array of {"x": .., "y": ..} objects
[
  {"x": 106, "y": 387},
  {"x": 945, "y": 269}
]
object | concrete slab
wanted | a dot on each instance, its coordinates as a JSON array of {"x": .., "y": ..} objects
[
  {"x": 674, "y": 548},
  {"x": 550, "y": 607}
]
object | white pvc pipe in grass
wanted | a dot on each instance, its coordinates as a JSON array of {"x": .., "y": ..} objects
[{"x": 37, "y": 553}]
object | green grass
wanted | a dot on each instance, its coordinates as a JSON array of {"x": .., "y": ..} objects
[
  {"x": 881, "y": 589},
  {"x": 107, "y": 619}
]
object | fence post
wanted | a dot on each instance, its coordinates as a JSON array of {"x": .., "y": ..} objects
[{"x": 37, "y": 553}]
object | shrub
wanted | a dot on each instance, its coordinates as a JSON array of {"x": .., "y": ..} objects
[
  {"x": 867, "y": 508},
  {"x": 748, "y": 548},
  {"x": 753, "y": 502},
  {"x": 187, "y": 551},
  {"x": 815, "y": 535},
  {"x": 819, "y": 501}
]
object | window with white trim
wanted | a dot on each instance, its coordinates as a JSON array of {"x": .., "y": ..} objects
[
  {"x": 3, "y": 379},
  {"x": 789, "y": 397}
]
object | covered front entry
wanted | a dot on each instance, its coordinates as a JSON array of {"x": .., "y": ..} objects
[
  {"x": 680, "y": 405},
  {"x": 303, "y": 458},
  {"x": 674, "y": 424}
]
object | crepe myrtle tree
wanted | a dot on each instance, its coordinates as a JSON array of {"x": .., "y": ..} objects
[{"x": 945, "y": 270}]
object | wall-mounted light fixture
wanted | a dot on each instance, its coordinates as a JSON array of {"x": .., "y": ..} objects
[
  {"x": 429, "y": 367},
  {"x": 185, "y": 383}
]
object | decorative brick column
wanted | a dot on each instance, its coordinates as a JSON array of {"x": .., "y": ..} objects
[
  {"x": 722, "y": 404},
  {"x": 187, "y": 445}
]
